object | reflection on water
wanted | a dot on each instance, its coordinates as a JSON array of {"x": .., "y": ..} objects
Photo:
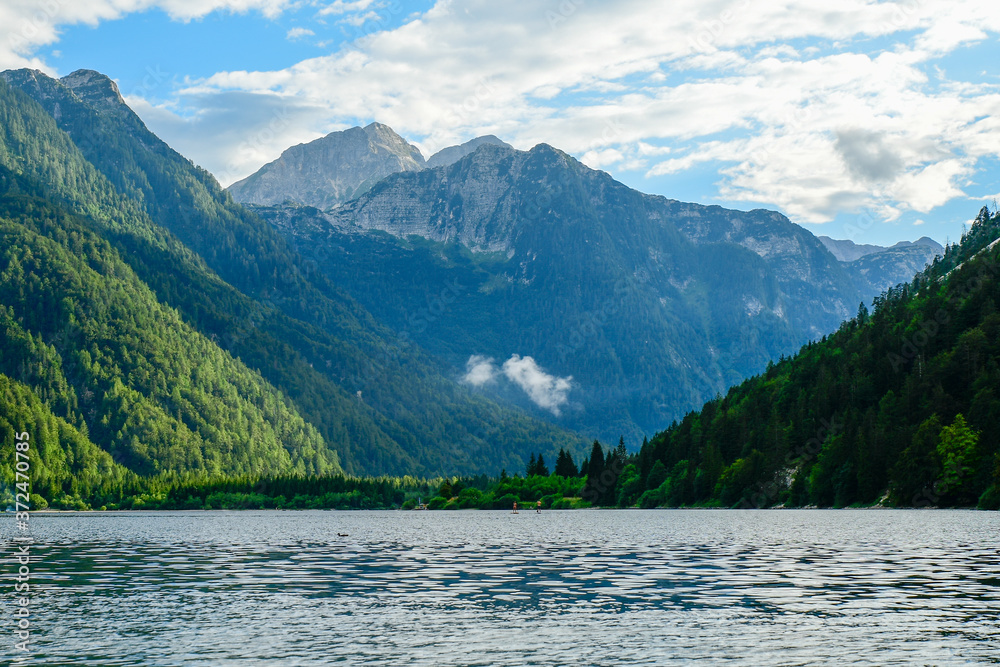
[{"x": 489, "y": 588}]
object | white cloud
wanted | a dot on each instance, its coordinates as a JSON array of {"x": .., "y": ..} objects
[
  {"x": 342, "y": 7},
  {"x": 426, "y": 77},
  {"x": 298, "y": 33},
  {"x": 479, "y": 370},
  {"x": 833, "y": 125},
  {"x": 546, "y": 391},
  {"x": 233, "y": 134},
  {"x": 358, "y": 20},
  {"x": 26, "y": 25},
  {"x": 595, "y": 159}
]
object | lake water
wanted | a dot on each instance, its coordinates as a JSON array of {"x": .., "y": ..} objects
[{"x": 784, "y": 587}]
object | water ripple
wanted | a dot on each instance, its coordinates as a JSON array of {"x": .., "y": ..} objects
[{"x": 489, "y": 588}]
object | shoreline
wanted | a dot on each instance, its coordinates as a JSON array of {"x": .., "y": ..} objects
[{"x": 58, "y": 512}]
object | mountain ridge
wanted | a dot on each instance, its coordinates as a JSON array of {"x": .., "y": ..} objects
[
  {"x": 453, "y": 154},
  {"x": 591, "y": 279}
]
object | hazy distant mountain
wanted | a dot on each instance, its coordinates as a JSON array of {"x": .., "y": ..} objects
[
  {"x": 331, "y": 169},
  {"x": 877, "y": 267},
  {"x": 453, "y": 154},
  {"x": 887, "y": 268},
  {"x": 849, "y": 251},
  {"x": 647, "y": 306}
]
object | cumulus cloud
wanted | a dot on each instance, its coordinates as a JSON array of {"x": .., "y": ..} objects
[
  {"x": 546, "y": 391},
  {"x": 867, "y": 155},
  {"x": 479, "y": 370},
  {"x": 342, "y": 7},
  {"x": 830, "y": 120},
  {"x": 236, "y": 132}
]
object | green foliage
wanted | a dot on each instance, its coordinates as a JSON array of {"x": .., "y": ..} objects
[
  {"x": 990, "y": 500},
  {"x": 437, "y": 503},
  {"x": 62, "y": 461},
  {"x": 956, "y": 450},
  {"x": 657, "y": 476},
  {"x": 145, "y": 385}
]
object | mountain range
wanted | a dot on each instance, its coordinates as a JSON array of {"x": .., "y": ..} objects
[
  {"x": 373, "y": 312},
  {"x": 341, "y": 166},
  {"x": 168, "y": 329},
  {"x": 633, "y": 308},
  {"x": 848, "y": 251}
]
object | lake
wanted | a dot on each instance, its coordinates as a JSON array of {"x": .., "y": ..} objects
[{"x": 601, "y": 587}]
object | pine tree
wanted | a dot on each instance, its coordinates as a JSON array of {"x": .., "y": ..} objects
[
  {"x": 540, "y": 468},
  {"x": 596, "y": 466},
  {"x": 565, "y": 467}
]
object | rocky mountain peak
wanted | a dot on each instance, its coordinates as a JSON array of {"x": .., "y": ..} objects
[
  {"x": 453, "y": 154},
  {"x": 91, "y": 89},
  {"x": 384, "y": 137},
  {"x": 28, "y": 80},
  {"x": 94, "y": 88},
  {"x": 330, "y": 170}
]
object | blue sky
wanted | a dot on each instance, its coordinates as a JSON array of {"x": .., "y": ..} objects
[{"x": 875, "y": 121}]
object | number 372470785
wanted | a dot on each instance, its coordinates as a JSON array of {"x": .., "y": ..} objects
[{"x": 22, "y": 466}]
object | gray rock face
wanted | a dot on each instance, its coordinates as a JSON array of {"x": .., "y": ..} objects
[
  {"x": 325, "y": 172},
  {"x": 453, "y": 154},
  {"x": 848, "y": 251},
  {"x": 465, "y": 202},
  {"x": 493, "y": 200},
  {"x": 97, "y": 90}
]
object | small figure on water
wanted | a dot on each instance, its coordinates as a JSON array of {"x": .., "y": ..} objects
[
  {"x": 538, "y": 507},
  {"x": 515, "y": 508}
]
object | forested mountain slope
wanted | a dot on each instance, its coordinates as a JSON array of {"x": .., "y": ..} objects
[
  {"x": 106, "y": 380},
  {"x": 232, "y": 282},
  {"x": 901, "y": 404}
]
